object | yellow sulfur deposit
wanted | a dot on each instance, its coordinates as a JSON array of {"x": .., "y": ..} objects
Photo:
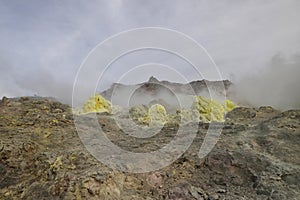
[
  {"x": 157, "y": 114},
  {"x": 97, "y": 104},
  {"x": 209, "y": 110},
  {"x": 229, "y": 105},
  {"x": 203, "y": 109}
]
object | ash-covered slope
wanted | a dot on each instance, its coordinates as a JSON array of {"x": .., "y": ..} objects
[{"x": 42, "y": 157}]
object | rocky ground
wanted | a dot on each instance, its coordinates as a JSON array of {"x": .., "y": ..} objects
[{"x": 42, "y": 157}]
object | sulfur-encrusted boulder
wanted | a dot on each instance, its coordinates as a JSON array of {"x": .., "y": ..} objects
[
  {"x": 97, "y": 104},
  {"x": 157, "y": 114},
  {"x": 209, "y": 110},
  {"x": 229, "y": 105}
]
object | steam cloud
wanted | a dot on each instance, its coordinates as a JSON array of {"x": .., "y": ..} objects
[
  {"x": 276, "y": 85},
  {"x": 43, "y": 44},
  {"x": 36, "y": 81}
]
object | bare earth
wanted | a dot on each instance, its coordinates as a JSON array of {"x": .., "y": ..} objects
[{"x": 42, "y": 157}]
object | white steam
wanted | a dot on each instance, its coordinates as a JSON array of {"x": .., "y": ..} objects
[{"x": 276, "y": 85}]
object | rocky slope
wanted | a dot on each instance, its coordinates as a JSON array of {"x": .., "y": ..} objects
[
  {"x": 164, "y": 90},
  {"x": 42, "y": 157}
]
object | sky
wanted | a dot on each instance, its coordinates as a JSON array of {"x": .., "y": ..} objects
[{"x": 43, "y": 43}]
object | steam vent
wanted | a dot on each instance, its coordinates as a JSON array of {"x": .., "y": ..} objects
[{"x": 43, "y": 157}]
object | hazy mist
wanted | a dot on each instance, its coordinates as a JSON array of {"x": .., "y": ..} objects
[
  {"x": 43, "y": 43},
  {"x": 276, "y": 85}
]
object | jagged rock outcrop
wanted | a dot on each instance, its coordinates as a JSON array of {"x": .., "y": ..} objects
[{"x": 153, "y": 86}]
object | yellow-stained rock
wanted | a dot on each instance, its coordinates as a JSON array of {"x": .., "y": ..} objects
[
  {"x": 97, "y": 104},
  {"x": 229, "y": 105},
  {"x": 57, "y": 164},
  {"x": 203, "y": 109},
  {"x": 209, "y": 110},
  {"x": 157, "y": 114}
]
